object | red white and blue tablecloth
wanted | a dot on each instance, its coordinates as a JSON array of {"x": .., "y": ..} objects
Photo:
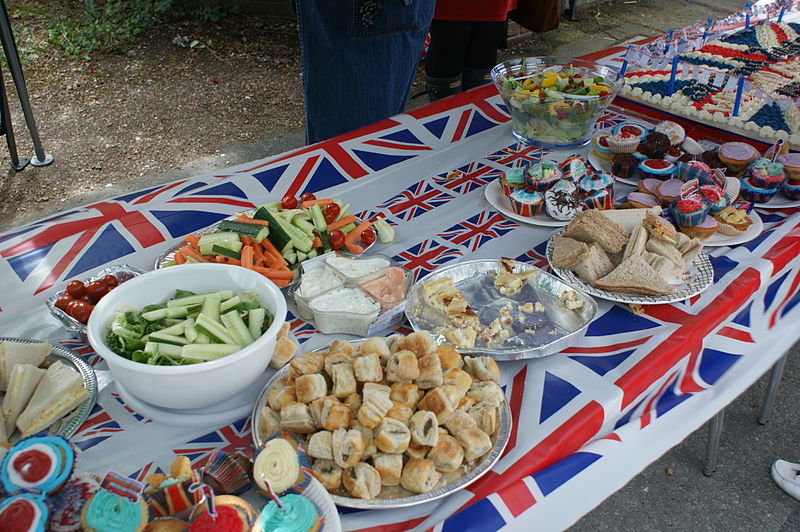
[{"x": 585, "y": 421}]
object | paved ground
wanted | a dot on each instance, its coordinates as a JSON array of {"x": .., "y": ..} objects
[{"x": 671, "y": 494}]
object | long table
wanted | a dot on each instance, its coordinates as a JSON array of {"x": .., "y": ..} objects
[{"x": 585, "y": 420}]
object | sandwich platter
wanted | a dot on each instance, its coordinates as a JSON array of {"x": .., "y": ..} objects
[
  {"x": 68, "y": 425},
  {"x": 700, "y": 277},
  {"x": 401, "y": 498}
]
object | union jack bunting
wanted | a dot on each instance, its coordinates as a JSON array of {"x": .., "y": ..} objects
[{"x": 582, "y": 418}]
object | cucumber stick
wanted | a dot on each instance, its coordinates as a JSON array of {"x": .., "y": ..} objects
[
  {"x": 317, "y": 217},
  {"x": 208, "y": 351},
  {"x": 255, "y": 321},
  {"x": 210, "y": 309},
  {"x": 237, "y": 328},
  {"x": 215, "y": 330}
]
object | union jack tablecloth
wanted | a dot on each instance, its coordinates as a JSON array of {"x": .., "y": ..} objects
[{"x": 585, "y": 421}]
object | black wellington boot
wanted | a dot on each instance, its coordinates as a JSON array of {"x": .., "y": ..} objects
[{"x": 439, "y": 88}]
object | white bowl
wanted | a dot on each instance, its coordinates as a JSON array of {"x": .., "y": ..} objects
[{"x": 193, "y": 385}]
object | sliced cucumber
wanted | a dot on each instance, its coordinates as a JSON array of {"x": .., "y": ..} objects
[
  {"x": 190, "y": 331},
  {"x": 228, "y": 304},
  {"x": 277, "y": 234},
  {"x": 155, "y": 315},
  {"x": 237, "y": 328},
  {"x": 317, "y": 217},
  {"x": 198, "y": 298},
  {"x": 214, "y": 330},
  {"x": 255, "y": 321},
  {"x": 208, "y": 351},
  {"x": 161, "y": 337},
  {"x": 226, "y": 252},
  {"x": 255, "y": 231},
  {"x": 158, "y": 348},
  {"x": 210, "y": 309},
  {"x": 224, "y": 239}
]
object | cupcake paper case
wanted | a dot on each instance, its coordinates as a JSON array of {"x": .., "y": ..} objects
[
  {"x": 766, "y": 174},
  {"x": 690, "y": 211},
  {"x": 541, "y": 176},
  {"x": 750, "y": 192},
  {"x": 513, "y": 179},
  {"x": 526, "y": 203},
  {"x": 657, "y": 168},
  {"x": 791, "y": 191},
  {"x": 594, "y": 182},
  {"x": 791, "y": 165},
  {"x": 66, "y": 505}
]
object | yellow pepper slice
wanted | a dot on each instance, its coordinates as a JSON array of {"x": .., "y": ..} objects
[{"x": 549, "y": 81}]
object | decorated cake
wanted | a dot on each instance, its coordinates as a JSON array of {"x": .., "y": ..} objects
[{"x": 765, "y": 54}]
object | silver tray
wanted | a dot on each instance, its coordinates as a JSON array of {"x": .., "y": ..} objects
[
  {"x": 701, "y": 276},
  {"x": 68, "y": 425},
  {"x": 555, "y": 329},
  {"x": 169, "y": 254},
  {"x": 500, "y": 441},
  {"x": 122, "y": 272}
]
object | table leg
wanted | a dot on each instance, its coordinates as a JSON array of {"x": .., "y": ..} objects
[
  {"x": 712, "y": 445},
  {"x": 772, "y": 389}
]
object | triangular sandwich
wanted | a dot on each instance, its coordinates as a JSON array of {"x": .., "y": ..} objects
[
  {"x": 666, "y": 250},
  {"x": 21, "y": 385},
  {"x": 13, "y": 353},
  {"x": 595, "y": 265},
  {"x": 636, "y": 277},
  {"x": 60, "y": 390},
  {"x": 636, "y": 242},
  {"x": 567, "y": 252},
  {"x": 591, "y": 226}
]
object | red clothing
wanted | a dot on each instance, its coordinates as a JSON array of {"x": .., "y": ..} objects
[{"x": 474, "y": 10}]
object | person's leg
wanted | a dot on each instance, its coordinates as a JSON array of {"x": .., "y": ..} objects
[
  {"x": 481, "y": 53},
  {"x": 444, "y": 63},
  {"x": 359, "y": 59},
  {"x": 787, "y": 476}
]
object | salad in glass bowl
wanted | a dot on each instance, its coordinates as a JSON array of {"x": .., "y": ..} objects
[{"x": 555, "y": 103}]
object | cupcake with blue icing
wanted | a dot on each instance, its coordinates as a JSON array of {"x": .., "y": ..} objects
[
  {"x": 751, "y": 192},
  {"x": 574, "y": 167},
  {"x": 766, "y": 174},
  {"x": 24, "y": 512},
  {"x": 513, "y": 179},
  {"x": 600, "y": 147},
  {"x": 38, "y": 464},
  {"x": 565, "y": 185},
  {"x": 791, "y": 191},
  {"x": 294, "y": 514},
  {"x": 526, "y": 203},
  {"x": 541, "y": 176},
  {"x": 716, "y": 197},
  {"x": 594, "y": 183},
  {"x": 657, "y": 168}
]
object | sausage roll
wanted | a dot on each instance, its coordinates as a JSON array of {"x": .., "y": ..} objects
[
  {"x": 406, "y": 393},
  {"x": 335, "y": 415},
  {"x": 482, "y": 368},
  {"x": 319, "y": 445},
  {"x": 449, "y": 357},
  {"x": 328, "y": 473},
  {"x": 277, "y": 398},
  {"x": 419, "y": 475},
  {"x": 475, "y": 442},
  {"x": 400, "y": 412},
  {"x": 269, "y": 423},
  {"x": 392, "y": 436},
  {"x": 308, "y": 363},
  {"x": 334, "y": 359},
  {"x": 447, "y": 455},
  {"x": 295, "y": 417},
  {"x": 315, "y": 407},
  {"x": 367, "y": 368},
  {"x": 285, "y": 349},
  {"x": 430, "y": 371},
  {"x": 486, "y": 391},
  {"x": 458, "y": 378},
  {"x": 342, "y": 346},
  {"x": 373, "y": 409},
  {"x": 438, "y": 402},
  {"x": 424, "y": 428},
  {"x": 402, "y": 367},
  {"x": 417, "y": 451},
  {"x": 460, "y": 420},
  {"x": 347, "y": 447},
  {"x": 485, "y": 416},
  {"x": 389, "y": 467},
  {"x": 420, "y": 343},
  {"x": 310, "y": 387},
  {"x": 362, "y": 481},
  {"x": 344, "y": 382},
  {"x": 377, "y": 346}
]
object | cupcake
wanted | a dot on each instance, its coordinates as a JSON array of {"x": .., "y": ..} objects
[
  {"x": 649, "y": 185},
  {"x": 574, "y": 167},
  {"x": 297, "y": 514},
  {"x": 117, "y": 505},
  {"x": 623, "y": 165},
  {"x": 736, "y": 156},
  {"x": 66, "y": 504},
  {"x": 669, "y": 190},
  {"x": 231, "y": 514},
  {"x": 561, "y": 204},
  {"x": 600, "y": 199},
  {"x": 692, "y": 170},
  {"x": 766, "y": 174},
  {"x": 513, "y": 179},
  {"x": 672, "y": 130},
  {"x": 23, "y": 512},
  {"x": 703, "y": 230},
  {"x": 711, "y": 158},
  {"x": 629, "y": 128},
  {"x": 750, "y": 192},
  {"x": 791, "y": 191},
  {"x": 657, "y": 168},
  {"x": 565, "y": 185},
  {"x": 641, "y": 200},
  {"x": 594, "y": 182},
  {"x": 732, "y": 221},
  {"x": 37, "y": 463},
  {"x": 689, "y": 211},
  {"x": 655, "y": 145},
  {"x": 691, "y": 147},
  {"x": 600, "y": 147},
  {"x": 639, "y": 156},
  {"x": 279, "y": 460},
  {"x": 784, "y": 148},
  {"x": 541, "y": 176},
  {"x": 524, "y": 204},
  {"x": 791, "y": 166},
  {"x": 673, "y": 155},
  {"x": 716, "y": 196},
  {"x": 623, "y": 142},
  {"x": 228, "y": 474}
]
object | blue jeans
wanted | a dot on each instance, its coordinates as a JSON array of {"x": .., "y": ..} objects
[{"x": 356, "y": 73}]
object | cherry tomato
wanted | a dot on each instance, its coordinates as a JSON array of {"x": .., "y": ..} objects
[
  {"x": 62, "y": 301},
  {"x": 97, "y": 289},
  {"x": 288, "y": 202},
  {"x": 331, "y": 211},
  {"x": 88, "y": 299},
  {"x": 81, "y": 311},
  {"x": 307, "y": 196},
  {"x": 71, "y": 306},
  {"x": 76, "y": 289},
  {"x": 110, "y": 281},
  {"x": 367, "y": 236},
  {"x": 337, "y": 239}
]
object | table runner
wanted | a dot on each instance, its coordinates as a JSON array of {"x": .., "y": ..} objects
[{"x": 585, "y": 421}]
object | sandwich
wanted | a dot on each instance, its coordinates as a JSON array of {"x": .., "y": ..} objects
[
  {"x": 659, "y": 228},
  {"x": 591, "y": 226},
  {"x": 630, "y": 219},
  {"x": 690, "y": 248},
  {"x": 635, "y": 276},
  {"x": 667, "y": 269},
  {"x": 567, "y": 252},
  {"x": 13, "y": 353},
  {"x": 3, "y": 435},
  {"x": 21, "y": 385},
  {"x": 58, "y": 392},
  {"x": 666, "y": 250},
  {"x": 595, "y": 265},
  {"x": 636, "y": 242}
]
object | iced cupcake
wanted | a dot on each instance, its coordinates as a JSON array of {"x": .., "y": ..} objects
[
  {"x": 600, "y": 147},
  {"x": 600, "y": 199},
  {"x": 513, "y": 179},
  {"x": 751, "y": 192},
  {"x": 791, "y": 166},
  {"x": 629, "y": 128},
  {"x": 766, "y": 174},
  {"x": 736, "y": 156},
  {"x": 561, "y": 204},
  {"x": 673, "y": 155},
  {"x": 649, "y": 185},
  {"x": 526, "y": 203},
  {"x": 791, "y": 191},
  {"x": 541, "y": 176},
  {"x": 716, "y": 196},
  {"x": 655, "y": 145},
  {"x": 669, "y": 190},
  {"x": 657, "y": 168},
  {"x": 672, "y": 130},
  {"x": 594, "y": 182},
  {"x": 642, "y": 200},
  {"x": 689, "y": 211},
  {"x": 691, "y": 147},
  {"x": 623, "y": 165},
  {"x": 39, "y": 463},
  {"x": 296, "y": 514},
  {"x": 23, "y": 512},
  {"x": 623, "y": 142},
  {"x": 565, "y": 185},
  {"x": 574, "y": 167}
]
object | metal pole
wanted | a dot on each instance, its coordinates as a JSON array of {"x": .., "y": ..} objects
[
  {"x": 10, "y": 49},
  {"x": 7, "y": 129},
  {"x": 712, "y": 445},
  {"x": 772, "y": 389}
]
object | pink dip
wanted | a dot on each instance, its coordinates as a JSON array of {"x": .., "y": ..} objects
[{"x": 389, "y": 289}]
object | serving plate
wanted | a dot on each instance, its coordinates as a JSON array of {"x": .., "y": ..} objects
[
  {"x": 68, "y": 425},
  {"x": 500, "y": 440},
  {"x": 779, "y": 201},
  {"x": 537, "y": 334},
  {"x": 749, "y": 234},
  {"x": 701, "y": 276},
  {"x": 494, "y": 195}
]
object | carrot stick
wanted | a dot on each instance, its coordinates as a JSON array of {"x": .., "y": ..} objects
[
  {"x": 270, "y": 247},
  {"x": 189, "y": 251},
  {"x": 316, "y": 242},
  {"x": 247, "y": 257},
  {"x": 179, "y": 257},
  {"x": 192, "y": 239},
  {"x": 353, "y": 248},
  {"x": 243, "y": 218},
  {"x": 319, "y": 201},
  {"x": 355, "y": 233},
  {"x": 341, "y": 222},
  {"x": 274, "y": 273}
]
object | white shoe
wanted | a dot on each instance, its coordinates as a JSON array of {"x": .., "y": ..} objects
[{"x": 787, "y": 476}]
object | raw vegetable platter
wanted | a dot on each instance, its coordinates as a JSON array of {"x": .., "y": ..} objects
[{"x": 275, "y": 238}]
